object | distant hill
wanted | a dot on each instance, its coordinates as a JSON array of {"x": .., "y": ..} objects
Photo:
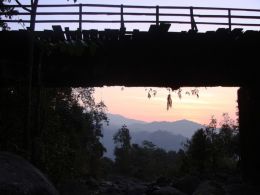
[
  {"x": 166, "y": 135},
  {"x": 162, "y": 139},
  {"x": 184, "y": 127},
  {"x": 118, "y": 120}
]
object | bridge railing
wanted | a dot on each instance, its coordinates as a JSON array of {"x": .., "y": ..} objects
[{"x": 230, "y": 17}]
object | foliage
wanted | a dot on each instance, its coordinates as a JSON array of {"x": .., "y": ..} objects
[
  {"x": 197, "y": 150},
  {"x": 7, "y": 12},
  {"x": 71, "y": 134},
  {"x": 169, "y": 102},
  {"x": 146, "y": 162},
  {"x": 211, "y": 150},
  {"x": 122, "y": 140},
  {"x": 68, "y": 144},
  {"x": 152, "y": 93},
  {"x": 150, "y": 162}
]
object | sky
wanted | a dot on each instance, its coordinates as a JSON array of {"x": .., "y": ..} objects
[
  {"x": 219, "y": 3},
  {"x": 254, "y": 4},
  {"x": 133, "y": 102}
]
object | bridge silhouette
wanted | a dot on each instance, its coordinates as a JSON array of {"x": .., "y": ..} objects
[
  {"x": 224, "y": 53},
  {"x": 228, "y": 56}
]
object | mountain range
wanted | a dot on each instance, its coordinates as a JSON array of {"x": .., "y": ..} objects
[{"x": 166, "y": 135}]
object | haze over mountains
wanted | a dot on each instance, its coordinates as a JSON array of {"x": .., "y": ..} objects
[{"x": 166, "y": 135}]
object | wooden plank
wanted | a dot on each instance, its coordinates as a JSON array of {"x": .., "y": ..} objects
[
  {"x": 162, "y": 28},
  {"x": 58, "y": 32},
  {"x": 153, "y": 28},
  {"x": 67, "y": 33},
  {"x": 78, "y": 34},
  {"x": 112, "y": 34},
  {"x": 47, "y": 35},
  {"x": 93, "y": 34},
  {"x": 86, "y": 35}
]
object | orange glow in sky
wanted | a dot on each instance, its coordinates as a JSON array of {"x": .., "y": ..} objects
[{"x": 134, "y": 103}]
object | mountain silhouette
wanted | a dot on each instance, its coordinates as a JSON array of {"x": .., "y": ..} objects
[
  {"x": 119, "y": 120},
  {"x": 166, "y": 135}
]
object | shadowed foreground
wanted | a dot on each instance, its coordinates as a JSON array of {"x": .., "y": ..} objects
[{"x": 19, "y": 177}]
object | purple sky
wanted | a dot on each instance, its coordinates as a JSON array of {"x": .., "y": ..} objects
[{"x": 255, "y": 4}]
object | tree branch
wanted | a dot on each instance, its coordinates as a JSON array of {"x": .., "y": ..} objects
[{"x": 25, "y": 8}]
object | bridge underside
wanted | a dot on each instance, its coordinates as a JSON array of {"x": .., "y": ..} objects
[{"x": 220, "y": 58}]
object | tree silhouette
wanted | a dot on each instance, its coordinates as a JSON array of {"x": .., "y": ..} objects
[
  {"x": 7, "y": 12},
  {"x": 68, "y": 145},
  {"x": 122, "y": 139},
  {"x": 211, "y": 150},
  {"x": 10, "y": 11}
]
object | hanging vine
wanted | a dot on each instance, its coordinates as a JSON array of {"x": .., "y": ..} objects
[{"x": 152, "y": 93}]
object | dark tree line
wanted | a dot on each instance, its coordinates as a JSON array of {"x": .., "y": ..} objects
[
  {"x": 208, "y": 152},
  {"x": 68, "y": 144},
  {"x": 213, "y": 150}
]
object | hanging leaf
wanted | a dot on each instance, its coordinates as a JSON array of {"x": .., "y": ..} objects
[
  {"x": 195, "y": 92},
  {"x": 154, "y": 92},
  {"x": 169, "y": 102},
  {"x": 149, "y": 95},
  {"x": 179, "y": 93}
]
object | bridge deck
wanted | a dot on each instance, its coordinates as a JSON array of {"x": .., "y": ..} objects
[{"x": 155, "y": 58}]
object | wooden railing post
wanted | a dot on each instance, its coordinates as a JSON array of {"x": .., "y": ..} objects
[
  {"x": 33, "y": 15},
  {"x": 192, "y": 20},
  {"x": 80, "y": 17},
  {"x": 157, "y": 15},
  {"x": 229, "y": 19},
  {"x": 80, "y": 13},
  {"x": 122, "y": 23}
]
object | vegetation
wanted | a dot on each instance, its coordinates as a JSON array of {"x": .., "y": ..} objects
[
  {"x": 210, "y": 151},
  {"x": 68, "y": 144},
  {"x": 67, "y": 147},
  {"x": 8, "y": 11},
  {"x": 122, "y": 140}
]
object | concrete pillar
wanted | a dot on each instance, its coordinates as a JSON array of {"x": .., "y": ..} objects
[{"x": 249, "y": 122}]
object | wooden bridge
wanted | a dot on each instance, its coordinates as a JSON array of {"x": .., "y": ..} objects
[
  {"x": 227, "y": 56},
  {"x": 89, "y": 57},
  {"x": 96, "y": 58}
]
